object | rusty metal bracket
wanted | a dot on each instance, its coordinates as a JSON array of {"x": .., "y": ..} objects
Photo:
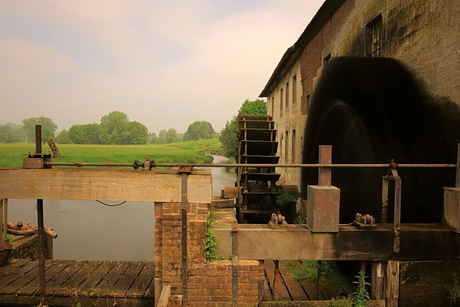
[
  {"x": 235, "y": 281},
  {"x": 36, "y": 161},
  {"x": 277, "y": 221},
  {"x": 187, "y": 169},
  {"x": 393, "y": 176},
  {"x": 147, "y": 164}
]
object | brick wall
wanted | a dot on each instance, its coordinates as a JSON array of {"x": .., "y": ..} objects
[
  {"x": 27, "y": 247},
  {"x": 208, "y": 283}
]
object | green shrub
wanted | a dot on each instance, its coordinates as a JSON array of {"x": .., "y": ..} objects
[
  {"x": 360, "y": 296},
  {"x": 308, "y": 270},
  {"x": 340, "y": 302}
]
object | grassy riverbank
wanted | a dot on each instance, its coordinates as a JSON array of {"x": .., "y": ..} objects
[{"x": 11, "y": 154}]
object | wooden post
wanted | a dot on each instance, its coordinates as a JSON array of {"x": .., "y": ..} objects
[
  {"x": 385, "y": 184},
  {"x": 378, "y": 280},
  {"x": 325, "y": 157},
  {"x": 392, "y": 284},
  {"x": 3, "y": 218},
  {"x": 457, "y": 181},
  {"x": 276, "y": 280},
  {"x": 397, "y": 215},
  {"x": 318, "y": 279}
]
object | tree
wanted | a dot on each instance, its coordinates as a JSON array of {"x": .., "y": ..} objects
[
  {"x": 63, "y": 137},
  {"x": 85, "y": 134},
  {"x": 5, "y": 134},
  {"x": 228, "y": 138},
  {"x": 48, "y": 127},
  {"x": 153, "y": 138},
  {"x": 171, "y": 135},
  {"x": 114, "y": 128},
  {"x": 199, "y": 130},
  {"x": 11, "y": 133},
  {"x": 256, "y": 107},
  {"x": 228, "y": 134},
  {"x": 138, "y": 133}
]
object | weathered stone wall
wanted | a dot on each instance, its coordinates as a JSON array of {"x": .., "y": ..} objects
[
  {"x": 208, "y": 283},
  {"x": 422, "y": 34},
  {"x": 27, "y": 247}
]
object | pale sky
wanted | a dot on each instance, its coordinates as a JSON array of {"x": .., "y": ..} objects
[{"x": 164, "y": 63}]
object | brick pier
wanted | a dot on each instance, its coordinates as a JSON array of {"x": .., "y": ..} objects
[{"x": 208, "y": 283}]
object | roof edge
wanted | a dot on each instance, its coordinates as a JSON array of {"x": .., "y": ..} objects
[{"x": 293, "y": 53}]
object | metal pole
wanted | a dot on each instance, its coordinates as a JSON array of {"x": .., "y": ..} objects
[
  {"x": 41, "y": 247},
  {"x": 38, "y": 139},
  {"x": 184, "y": 238},
  {"x": 41, "y": 257},
  {"x": 317, "y": 165}
]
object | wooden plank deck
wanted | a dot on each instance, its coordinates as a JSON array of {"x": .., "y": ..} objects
[
  {"x": 291, "y": 289},
  {"x": 68, "y": 282}
]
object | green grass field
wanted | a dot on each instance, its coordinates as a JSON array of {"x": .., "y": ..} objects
[{"x": 186, "y": 152}]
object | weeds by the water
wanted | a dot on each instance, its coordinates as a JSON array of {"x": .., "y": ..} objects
[
  {"x": 454, "y": 292},
  {"x": 358, "y": 298},
  {"x": 211, "y": 239}
]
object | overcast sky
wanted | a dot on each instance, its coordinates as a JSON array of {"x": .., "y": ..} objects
[{"x": 164, "y": 63}]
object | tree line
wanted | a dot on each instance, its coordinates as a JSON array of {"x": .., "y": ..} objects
[{"x": 114, "y": 128}]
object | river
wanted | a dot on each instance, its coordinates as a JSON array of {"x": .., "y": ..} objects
[{"x": 89, "y": 230}]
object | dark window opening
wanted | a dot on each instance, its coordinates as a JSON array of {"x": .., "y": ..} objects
[{"x": 374, "y": 37}]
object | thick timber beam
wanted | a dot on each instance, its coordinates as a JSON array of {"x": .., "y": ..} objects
[
  {"x": 260, "y": 242},
  {"x": 104, "y": 184}
]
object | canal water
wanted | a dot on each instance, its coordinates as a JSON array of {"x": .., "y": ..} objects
[{"x": 89, "y": 230}]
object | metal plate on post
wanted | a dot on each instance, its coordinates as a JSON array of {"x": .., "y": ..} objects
[{"x": 33, "y": 163}]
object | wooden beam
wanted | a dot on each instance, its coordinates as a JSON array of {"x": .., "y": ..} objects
[
  {"x": 104, "y": 184},
  {"x": 297, "y": 242}
]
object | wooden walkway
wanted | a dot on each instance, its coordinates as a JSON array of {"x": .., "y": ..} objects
[
  {"x": 69, "y": 282},
  {"x": 291, "y": 289}
]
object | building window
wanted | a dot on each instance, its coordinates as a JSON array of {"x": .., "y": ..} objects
[
  {"x": 281, "y": 100},
  {"x": 374, "y": 37},
  {"x": 286, "y": 147},
  {"x": 294, "y": 89},
  {"x": 287, "y": 95},
  {"x": 327, "y": 59},
  {"x": 273, "y": 105},
  {"x": 293, "y": 145}
]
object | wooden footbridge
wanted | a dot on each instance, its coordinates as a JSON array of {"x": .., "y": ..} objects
[{"x": 89, "y": 283}]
